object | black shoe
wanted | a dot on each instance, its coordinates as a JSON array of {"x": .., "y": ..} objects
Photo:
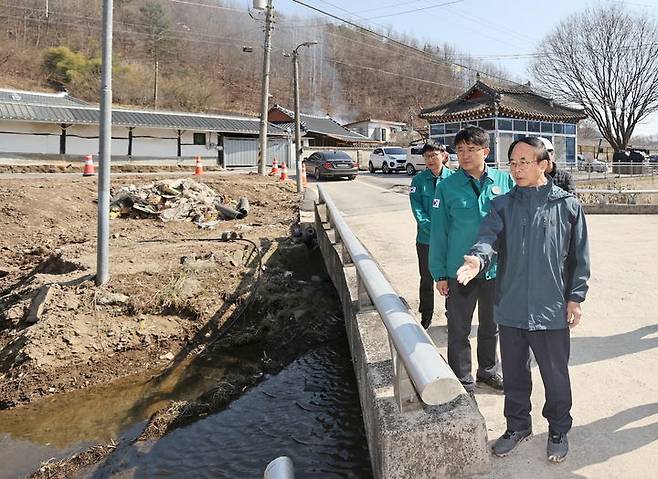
[
  {"x": 426, "y": 322},
  {"x": 508, "y": 441},
  {"x": 495, "y": 381},
  {"x": 470, "y": 388},
  {"x": 557, "y": 447}
]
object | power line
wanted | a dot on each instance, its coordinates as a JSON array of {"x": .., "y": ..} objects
[
  {"x": 362, "y": 67},
  {"x": 415, "y": 10},
  {"x": 390, "y": 39}
]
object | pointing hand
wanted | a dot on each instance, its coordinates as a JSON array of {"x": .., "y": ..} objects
[{"x": 468, "y": 270}]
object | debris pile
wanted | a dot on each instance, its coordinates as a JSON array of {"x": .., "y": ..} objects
[{"x": 177, "y": 200}]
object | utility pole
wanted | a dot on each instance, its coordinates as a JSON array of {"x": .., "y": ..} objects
[
  {"x": 298, "y": 133},
  {"x": 262, "y": 159},
  {"x": 105, "y": 150}
]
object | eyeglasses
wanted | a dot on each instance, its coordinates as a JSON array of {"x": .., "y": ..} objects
[
  {"x": 520, "y": 164},
  {"x": 470, "y": 149}
]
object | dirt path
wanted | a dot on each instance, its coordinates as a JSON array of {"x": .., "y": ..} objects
[{"x": 170, "y": 290}]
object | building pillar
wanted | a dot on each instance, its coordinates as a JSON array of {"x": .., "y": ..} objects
[
  {"x": 178, "y": 144},
  {"x": 130, "y": 141},
  {"x": 62, "y": 139}
]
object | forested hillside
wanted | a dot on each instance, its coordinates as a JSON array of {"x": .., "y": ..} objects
[{"x": 190, "y": 55}]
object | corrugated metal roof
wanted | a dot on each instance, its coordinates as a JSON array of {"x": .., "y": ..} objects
[
  {"x": 121, "y": 117},
  {"x": 35, "y": 98}
]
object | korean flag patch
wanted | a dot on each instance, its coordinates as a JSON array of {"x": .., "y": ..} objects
[
  {"x": 436, "y": 202},
  {"x": 412, "y": 189}
]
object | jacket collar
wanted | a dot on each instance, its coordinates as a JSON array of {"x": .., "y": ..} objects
[
  {"x": 465, "y": 177},
  {"x": 554, "y": 193}
]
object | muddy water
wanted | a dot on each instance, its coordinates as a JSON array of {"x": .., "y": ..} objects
[
  {"x": 66, "y": 423},
  {"x": 310, "y": 412}
]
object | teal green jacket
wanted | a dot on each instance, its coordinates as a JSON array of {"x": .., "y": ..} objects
[
  {"x": 460, "y": 203},
  {"x": 421, "y": 194}
]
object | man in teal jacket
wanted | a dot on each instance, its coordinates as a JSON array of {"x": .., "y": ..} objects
[
  {"x": 421, "y": 195},
  {"x": 539, "y": 234},
  {"x": 460, "y": 203}
]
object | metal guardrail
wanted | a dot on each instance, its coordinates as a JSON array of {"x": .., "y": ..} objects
[
  {"x": 413, "y": 351},
  {"x": 280, "y": 468}
]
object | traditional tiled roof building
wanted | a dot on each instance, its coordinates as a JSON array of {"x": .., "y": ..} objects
[{"x": 507, "y": 113}]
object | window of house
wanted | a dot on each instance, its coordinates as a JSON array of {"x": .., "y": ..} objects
[
  {"x": 558, "y": 128},
  {"x": 520, "y": 125},
  {"x": 437, "y": 129},
  {"x": 569, "y": 129},
  {"x": 505, "y": 124},
  {"x": 487, "y": 124},
  {"x": 199, "y": 139},
  {"x": 452, "y": 127},
  {"x": 570, "y": 147},
  {"x": 546, "y": 127},
  {"x": 491, "y": 158},
  {"x": 534, "y": 126}
]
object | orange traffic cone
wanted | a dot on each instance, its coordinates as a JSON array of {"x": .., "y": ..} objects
[
  {"x": 284, "y": 172},
  {"x": 89, "y": 166},
  {"x": 275, "y": 168},
  {"x": 198, "y": 169},
  {"x": 304, "y": 182}
]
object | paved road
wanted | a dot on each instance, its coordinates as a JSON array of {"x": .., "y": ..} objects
[{"x": 614, "y": 361}]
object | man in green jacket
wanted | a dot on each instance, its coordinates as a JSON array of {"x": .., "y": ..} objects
[
  {"x": 421, "y": 195},
  {"x": 460, "y": 203},
  {"x": 539, "y": 234}
]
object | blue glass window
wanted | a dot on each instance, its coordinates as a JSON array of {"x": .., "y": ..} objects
[
  {"x": 520, "y": 125},
  {"x": 491, "y": 157},
  {"x": 570, "y": 147},
  {"x": 452, "y": 127},
  {"x": 505, "y": 124},
  {"x": 437, "y": 129},
  {"x": 546, "y": 127},
  {"x": 558, "y": 127},
  {"x": 487, "y": 124},
  {"x": 569, "y": 129},
  {"x": 518, "y": 136},
  {"x": 534, "y": 126}
]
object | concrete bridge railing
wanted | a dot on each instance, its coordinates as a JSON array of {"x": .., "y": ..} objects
[
  {"x": 418, "y": 367},
  {"x": 418, "y": 420}
]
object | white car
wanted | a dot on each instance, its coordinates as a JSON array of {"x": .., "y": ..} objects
[
  {"x": 416, "y": 162},
  {"x": 387, "y": 159}
]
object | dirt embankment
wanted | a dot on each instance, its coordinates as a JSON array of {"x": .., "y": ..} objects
[{"x": 170, "y": 292}]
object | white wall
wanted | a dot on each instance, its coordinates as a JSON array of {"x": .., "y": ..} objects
[
  {"x": 16, "y": 143},
  {"x": 83, "y": 140}
]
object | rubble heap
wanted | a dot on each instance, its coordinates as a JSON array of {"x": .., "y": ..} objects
[{"x": 177, "y": 200}]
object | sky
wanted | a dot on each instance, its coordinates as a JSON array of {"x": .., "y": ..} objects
[{"x": 491, "y": 29}]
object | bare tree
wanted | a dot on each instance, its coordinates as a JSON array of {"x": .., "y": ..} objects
[{"x": 606, "y": 60}]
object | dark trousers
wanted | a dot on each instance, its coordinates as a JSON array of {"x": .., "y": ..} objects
[
  {"x": 426, "y": 290},
  {"x": 461, "y": 305},
  {"x": 551, "y": 351}
]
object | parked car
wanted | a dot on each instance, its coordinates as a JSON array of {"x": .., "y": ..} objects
[
  {"x": 331, "y": 164},
  {"x": 415, "y": 161},
  {"x": 453, "y": 163},
  {"x": 387, "y": 159},
  {"x": 653, "y": 159},
  {"x": 585, "y": 164}
]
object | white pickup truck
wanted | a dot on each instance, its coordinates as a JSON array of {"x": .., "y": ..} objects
[{"x": 387, "y": 159}]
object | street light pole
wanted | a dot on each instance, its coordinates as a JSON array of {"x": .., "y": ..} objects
[
  {"x": 262, "y": 159},
  {"x": 298, "y": 133},
  {"x": 105, "y": 150}
]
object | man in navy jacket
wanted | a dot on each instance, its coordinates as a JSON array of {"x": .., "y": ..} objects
[{"x": 538, "y": 233}]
